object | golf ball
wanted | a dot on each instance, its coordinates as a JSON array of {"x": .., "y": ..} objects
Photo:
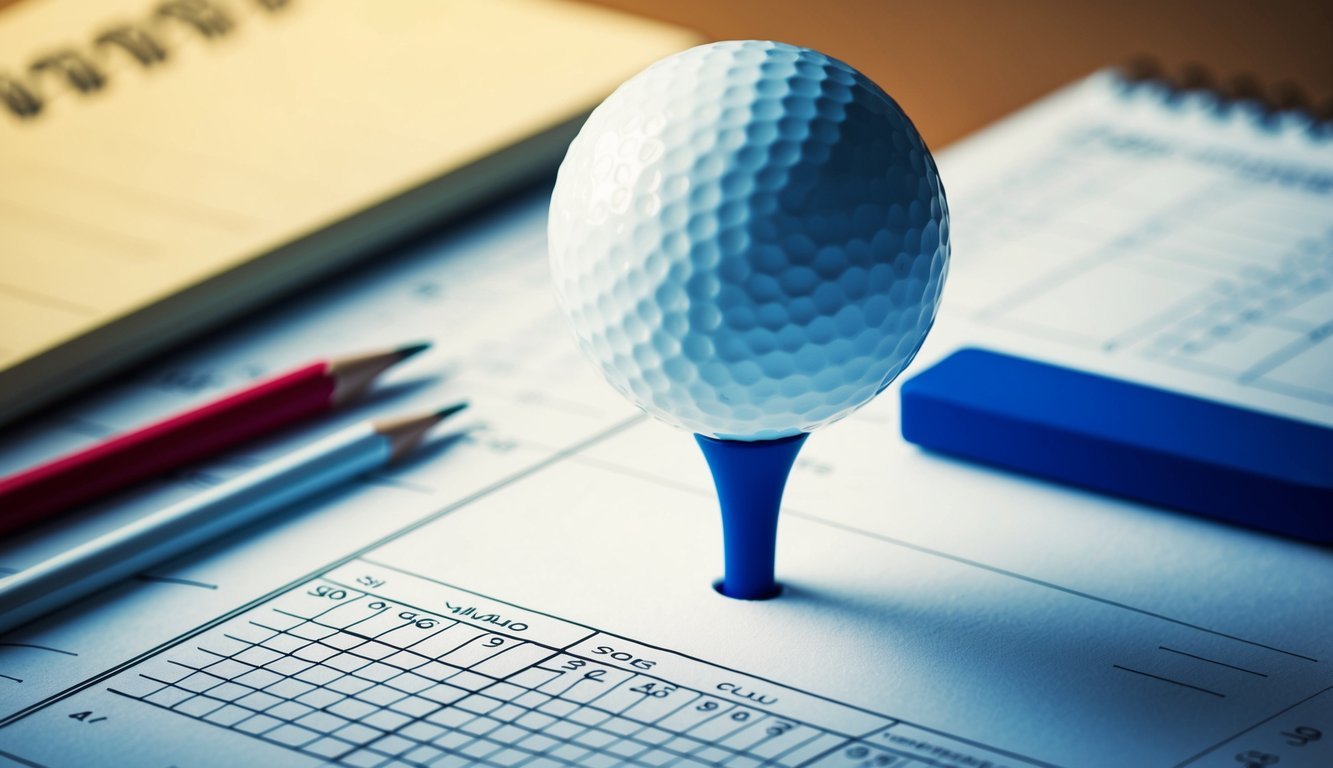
[{"x": 749, "y": 239}]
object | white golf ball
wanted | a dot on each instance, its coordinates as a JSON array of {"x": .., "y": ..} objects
[{"x": 749, "y": 239}]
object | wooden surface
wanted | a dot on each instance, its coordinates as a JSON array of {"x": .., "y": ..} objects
[{"x": 956, "y": 65}]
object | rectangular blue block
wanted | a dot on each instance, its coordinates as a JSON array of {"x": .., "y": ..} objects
[{"x": 1126, "y": 439}]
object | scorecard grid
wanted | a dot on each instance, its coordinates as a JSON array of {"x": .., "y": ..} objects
[
  {"x": 346, "y": 676},
  {"x": 382, "y": 710}
]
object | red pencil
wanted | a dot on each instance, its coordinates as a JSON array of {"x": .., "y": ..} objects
[{"x": 44, "y": 491}]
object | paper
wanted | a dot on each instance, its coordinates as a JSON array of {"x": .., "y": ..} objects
[
  {"x": 450, "y": 612},
  {"x": 190, "y": 159},
  {"x": 1156, "y": 236}
]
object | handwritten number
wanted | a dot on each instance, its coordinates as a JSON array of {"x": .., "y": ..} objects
[
  {"x": 331, "y": 593},
  {"x": 1302, "y": 735},
  {"x": 1256, "y": 759},
  {"x": 652, "y": 689}
]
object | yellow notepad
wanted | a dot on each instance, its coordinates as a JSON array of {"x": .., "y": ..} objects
[{"x": 164, "y": 164}]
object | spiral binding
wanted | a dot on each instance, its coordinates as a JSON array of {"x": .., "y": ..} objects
[
  {"x": 1283, "y": 105},
  {"x": 25, "y": 95}
]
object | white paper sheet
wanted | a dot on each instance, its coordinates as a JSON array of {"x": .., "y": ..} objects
[{"x": 537, "y": 589}]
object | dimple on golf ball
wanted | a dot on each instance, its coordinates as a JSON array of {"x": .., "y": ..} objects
[{"x": 749, "y": 239}]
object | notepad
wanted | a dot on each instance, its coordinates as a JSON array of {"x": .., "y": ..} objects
[
  {"x": 170, "y": 164},
  {"x": 1174, "y": 238},
  {"x": 1162, "y": 259}
]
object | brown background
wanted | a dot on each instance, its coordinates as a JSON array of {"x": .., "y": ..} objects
[{"x": 955, "y": 65}]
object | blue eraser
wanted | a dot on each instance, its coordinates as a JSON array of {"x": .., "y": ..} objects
[{"x": 1126, "y": 439}]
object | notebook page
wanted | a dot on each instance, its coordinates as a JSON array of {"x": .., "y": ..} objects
[{"x": 1160, "y": 237}]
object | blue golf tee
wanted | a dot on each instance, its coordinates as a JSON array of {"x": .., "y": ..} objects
[{"x": 750, "y": 477}]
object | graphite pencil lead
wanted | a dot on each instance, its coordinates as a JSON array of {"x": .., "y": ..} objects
[
  {"x": 354, "y": 374},
  {"x": 450, "y": 410},
  {"x": 412, "y": 350},
  {"x": 406, "y": 432}
]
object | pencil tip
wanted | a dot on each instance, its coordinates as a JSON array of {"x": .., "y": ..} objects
[
  {"x": 450, "y": 410},
  {"x": 410, "y": 350},
  {"x": 406, "y": 432}
]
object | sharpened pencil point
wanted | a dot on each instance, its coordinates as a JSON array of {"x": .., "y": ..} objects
[
  {"x": 411, "y": 350},
  {"x": 406, "y": 432},
  {"x": 450, "y": 410},
  {"x": 354, "y": 374}
]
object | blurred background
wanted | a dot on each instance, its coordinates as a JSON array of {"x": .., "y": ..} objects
[
  {"x": 960, "y": 64},
  {"x": 957, "y": 65}
]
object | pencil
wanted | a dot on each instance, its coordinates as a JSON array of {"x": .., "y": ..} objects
[
  {"x": 44, "y": 491},
  {"x": 185, "y": 525}
]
